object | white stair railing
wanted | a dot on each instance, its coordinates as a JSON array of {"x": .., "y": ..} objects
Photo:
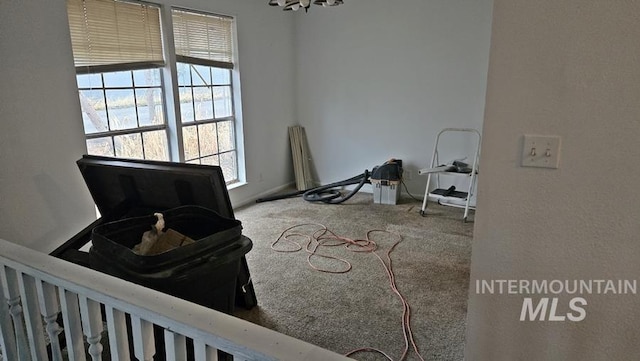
[{"x": 50, "y": 307}]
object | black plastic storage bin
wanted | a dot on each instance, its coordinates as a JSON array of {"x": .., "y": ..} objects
[
  {"x": 125, "y": 188},
  {"x": 188, "y": 195},
  {"x": 203, "y": 272}
]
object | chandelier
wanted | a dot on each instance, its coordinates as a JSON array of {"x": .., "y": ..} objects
[{"x": 294, "y": 5}]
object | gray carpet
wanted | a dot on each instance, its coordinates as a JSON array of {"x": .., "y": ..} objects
[{"x": 342, "y": 312}]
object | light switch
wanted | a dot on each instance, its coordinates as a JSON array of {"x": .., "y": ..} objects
[{"x": 541, "y": 151}]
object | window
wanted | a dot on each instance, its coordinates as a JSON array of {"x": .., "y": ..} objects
[
  {"x": 206, "y": 89},
  {"x": 206, "y": 108},
  {"x": 123, "y": 114},
  {"x": 123, "y": 74}
]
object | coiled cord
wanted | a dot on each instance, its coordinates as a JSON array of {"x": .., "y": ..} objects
[{"x": 327, "y": 238}]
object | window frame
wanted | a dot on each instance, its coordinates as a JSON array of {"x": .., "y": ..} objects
[
  {"x": 211, "y": 85},
  {"x": 173, "y": 125}
]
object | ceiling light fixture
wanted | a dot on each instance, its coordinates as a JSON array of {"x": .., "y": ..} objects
[{"x": 295, "y": 5}]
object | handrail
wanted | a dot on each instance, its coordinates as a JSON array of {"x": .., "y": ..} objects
[{"x": 215, "y": 330}]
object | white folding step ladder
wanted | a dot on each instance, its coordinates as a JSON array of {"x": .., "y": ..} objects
[{"x": 450, "y": 196}]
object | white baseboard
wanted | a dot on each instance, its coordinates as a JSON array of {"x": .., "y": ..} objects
[
  {"x": 269, "y": 192},
  {"x": 367, "y": 188}
]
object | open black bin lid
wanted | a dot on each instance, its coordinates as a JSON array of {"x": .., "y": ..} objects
[{"x": 124, "y": 188}]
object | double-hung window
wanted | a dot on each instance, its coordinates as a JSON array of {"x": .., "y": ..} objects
[
  {"x": 123, "y": 76},
  {"x": 206, "y": 88}
]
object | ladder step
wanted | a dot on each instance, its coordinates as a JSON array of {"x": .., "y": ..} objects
[{"x": 450, "y": 193}]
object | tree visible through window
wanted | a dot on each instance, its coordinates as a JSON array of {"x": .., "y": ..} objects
[
  {"x": 123, "y": 114},
  {"x": 121, "y": 83}
]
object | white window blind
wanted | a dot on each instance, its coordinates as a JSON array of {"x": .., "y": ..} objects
[
  {"x": 105, "y": 33},
  {"x": 203, "y": 39}
]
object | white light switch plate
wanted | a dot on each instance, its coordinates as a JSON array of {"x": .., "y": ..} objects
[{"x": 541, "y": 151}]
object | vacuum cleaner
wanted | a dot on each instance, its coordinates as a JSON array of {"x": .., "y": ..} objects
[{"x": 385, "y": 178}]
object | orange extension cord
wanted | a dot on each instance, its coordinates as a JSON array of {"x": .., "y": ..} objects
[{"x": 327, "y": 238}]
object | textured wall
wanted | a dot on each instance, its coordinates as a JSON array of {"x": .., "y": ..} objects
[{"x": 569, "y": 68}]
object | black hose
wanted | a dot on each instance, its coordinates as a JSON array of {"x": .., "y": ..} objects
[
  {"x": 331, "y": 196},
  {"x": 325, "y": 193},
  {"x": 281, "y": 196}
]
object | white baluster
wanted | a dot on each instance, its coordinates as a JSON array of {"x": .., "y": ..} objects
[
  {"x": 92, "y": 326},
  {"x": 175, "y": 346},
  {"x": 32, "y": 316},
  {"x": 202, "y": 352},
  {"x": 118, "y": 336},
  {"x": 72, "y": 325},
  {"x": 7, "y": 335},
  {"x": 143, "y": 341},
  {"x": 82, "y": 292},
  {"x": 50, "y": 309},
  {"x": 9, "y": 280}
]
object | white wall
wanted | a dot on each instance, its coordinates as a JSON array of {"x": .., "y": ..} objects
[
  {"x": 43, "y": 200},
  {"x": 378, "y": 79},
  {"x": 569, "y": 68},
  {"x": 42, "y": 196}
]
